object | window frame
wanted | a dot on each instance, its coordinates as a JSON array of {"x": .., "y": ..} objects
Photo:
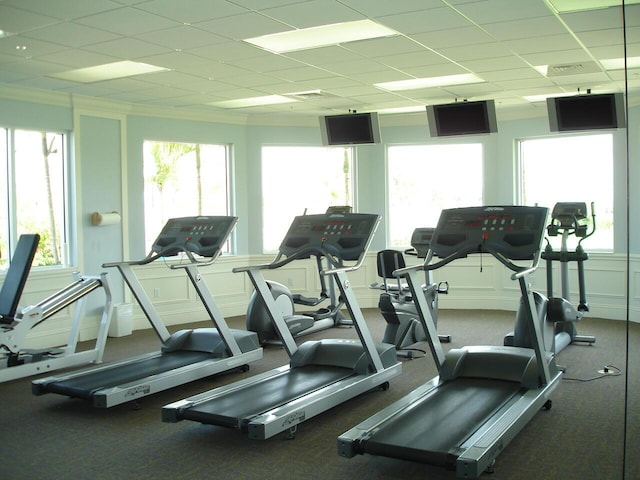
[
  {"x": 520, "y": 187},
  {"x": 10, "y": 228},
  {"x": 231, "y": 244},
  {"x": 352, "y": 182},
  {"x": 471, "y": 140}
]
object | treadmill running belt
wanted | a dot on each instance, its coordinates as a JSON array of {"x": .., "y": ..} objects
[
  {"x": 434, "y": 427},
  {"x": 256, "y": 398},
  {"x": 84, "y": 386}
]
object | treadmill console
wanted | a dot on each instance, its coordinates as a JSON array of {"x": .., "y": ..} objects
[
  {"x": 203, "y": 236},
  {"x": 515, "y": 232},
  {"x": 345, "y": 236},
  {"x": 421, "y": 240}
]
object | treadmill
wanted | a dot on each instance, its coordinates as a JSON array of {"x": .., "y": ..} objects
[
  {"x": 484, "y": 395},
  {"x": 185, "y": 356},
  {"x": 322, "y": 373}
]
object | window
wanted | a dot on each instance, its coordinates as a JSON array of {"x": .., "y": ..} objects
[
  {"x": 424, "y": 180},
  {"x": 577, "y": 168},
  {"x": 183, "y": 180},
  {"x": 33, "y": 176},
  {"x": 295, "y": 179}
]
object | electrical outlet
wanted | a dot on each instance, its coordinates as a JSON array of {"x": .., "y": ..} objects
[{"x": 156, "y": 293}]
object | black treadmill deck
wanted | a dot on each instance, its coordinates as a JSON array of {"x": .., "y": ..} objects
[
  {"x": 85, "y": 386},
  {"x": 231, "y": 409},
  {"x": 433, "y": 429}
]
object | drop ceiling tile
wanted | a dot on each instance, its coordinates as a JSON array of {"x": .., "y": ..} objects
[
  {"x": 425, "y": 21},
  {"x": 127, "y": 48},
  {"x": 14, "y": 20},
  {"x": 127, "y": 21},
  {"x": 475, "y": 52},
  {"x": 313, "y": 13},
  {"x": 246, "y": 25},
  {"x": 182, "y": 37},
  {"x": 192, "y": 11},
  {"x": 439, "y": 70},
  {"x": 34, "y": 48},
  {"x": 487, "y": 11},
  {"x": 455, "y": 37},
  {"x": 543, "y": 43},
  {"x": 64, "y": 9},
  {"x": 530, "y": 28},
  {"x": 224, "y": 51},
  {"x": 77, "y": 58},
  {"x": 301, "y": 74},
  {"x": 379, "y": 9},
  {"x": 175, "y": 60},
  {"x": 324, "y": 55},
  {"x": 267, "y": 63},
  {"x": 71, "y": 34},
  {"x": 513, "y": 74},
  {"x": 11, "y": 76},
  {"x": 494, "y": 64},
  {"x": 553, "y": 58},
  {"x": 35, "y": 67},
  {"x": 412, "y": 60},
  {"x": 608, "y": 36},
  {"x": 378, "y": 47},
  {"x": 596, "y": 19},
  {"x": 362, "y": 65}
]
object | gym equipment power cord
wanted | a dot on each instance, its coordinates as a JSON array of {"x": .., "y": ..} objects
[{"x": 607, "y": 371}]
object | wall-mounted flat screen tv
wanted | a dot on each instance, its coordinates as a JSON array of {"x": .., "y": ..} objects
[
  {"x": 350, "y": 129},
  {"x": 462, "y": 118},
  {"x": 586, "y": 112}
]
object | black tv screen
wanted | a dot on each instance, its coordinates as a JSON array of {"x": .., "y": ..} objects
[
  {"x": 462, "y": 118},
  {"x": 350, "y": 129},
  {"x": 586, "y": 112}
]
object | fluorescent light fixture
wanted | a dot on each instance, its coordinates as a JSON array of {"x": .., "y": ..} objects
[
  {"x": 322, "y": 36},
  {"x": 392, "y": 111},
  {"x": 417, "y": 83},
  {"x": 619, "y": 64},
  {"x": 108, "y": 71},
  {"x": 543, "y": 98},
  {"x": 253, "y": 101}
]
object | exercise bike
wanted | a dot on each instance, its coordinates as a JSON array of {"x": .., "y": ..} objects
[
  {"x": 567, "y": 218},
  {"x": 403, "y": 327},
  {"x": 325, "y": 310}
]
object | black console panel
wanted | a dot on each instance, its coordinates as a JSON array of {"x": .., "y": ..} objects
[
  {"x": 346, "y": 236},
  {"x": 515, "y": 232},
  {"x": 201, "y": 235}
]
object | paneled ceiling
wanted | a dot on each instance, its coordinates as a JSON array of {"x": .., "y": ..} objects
[{"x": 202, "y": 45}]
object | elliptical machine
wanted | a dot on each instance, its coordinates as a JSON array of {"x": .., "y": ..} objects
[
  {"x": 567, "y": 218},
  {"x": 323, "y": 317},
  {"x": 396, "y": 304}
]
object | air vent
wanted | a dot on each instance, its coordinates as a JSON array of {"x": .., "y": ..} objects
[
  {"x": 572, "y": 69},
  {"x": 310, "y": 95}
]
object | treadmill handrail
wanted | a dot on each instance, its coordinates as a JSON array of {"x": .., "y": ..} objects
[
  {"x": 152, "y": 257},
  {"x": 299, "y": 255},
  {"x": 520, "y": 271}
]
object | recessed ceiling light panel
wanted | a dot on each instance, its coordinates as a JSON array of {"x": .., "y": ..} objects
[
  {"x": 418, "y": 83},
  {"x": 108, "y": 71},
  {"x": 322, "y": 36},
  {"x": 253, "y": 101}
]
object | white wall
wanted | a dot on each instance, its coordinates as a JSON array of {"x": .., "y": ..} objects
[{"x": 108, "y": 154}]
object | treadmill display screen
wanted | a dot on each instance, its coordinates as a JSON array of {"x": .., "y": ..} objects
[
  {"x": 515, "y": 232},
  {"x": 346, "y": 236},
  {"x": 203, "y": 236}
]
